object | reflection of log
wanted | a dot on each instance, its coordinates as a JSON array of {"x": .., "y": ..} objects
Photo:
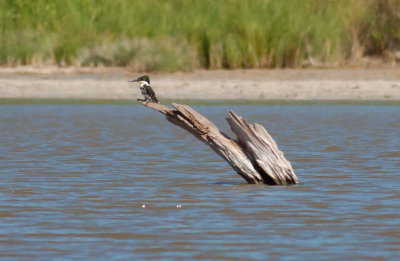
[{"x": 255, "y": 155}]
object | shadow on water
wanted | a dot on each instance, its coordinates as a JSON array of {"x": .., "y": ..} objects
[
  {"x": 117, "y": 181},
  {"x": 228, "y": 183}
]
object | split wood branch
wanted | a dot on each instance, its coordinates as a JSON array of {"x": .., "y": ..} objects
[{"x": 254, "y": 155}]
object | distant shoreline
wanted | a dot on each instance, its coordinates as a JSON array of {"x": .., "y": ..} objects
[{"x": 202, "y": 85}]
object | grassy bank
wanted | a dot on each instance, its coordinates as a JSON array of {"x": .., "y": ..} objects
[{"x": 175, "y": 35}]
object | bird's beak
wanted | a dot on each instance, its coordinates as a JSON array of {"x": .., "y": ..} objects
[{"x": 133, "y": 80}]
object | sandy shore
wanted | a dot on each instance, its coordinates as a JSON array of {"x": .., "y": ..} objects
[{"x": 111, "y": 83}]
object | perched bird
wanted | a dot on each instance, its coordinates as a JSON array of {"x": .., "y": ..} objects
[{"x": 145, "y": 88}]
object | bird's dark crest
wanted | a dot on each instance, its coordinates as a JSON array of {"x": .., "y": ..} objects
[{"x": 141, "y": 78}]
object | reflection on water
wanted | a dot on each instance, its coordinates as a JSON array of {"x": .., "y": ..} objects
[{"x": 73, "y": 179}]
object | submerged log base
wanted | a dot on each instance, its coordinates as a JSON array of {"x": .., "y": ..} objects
[{"x": 254, "y": 155}]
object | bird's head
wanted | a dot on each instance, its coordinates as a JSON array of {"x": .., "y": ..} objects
[{"x": 142, "y": 79}]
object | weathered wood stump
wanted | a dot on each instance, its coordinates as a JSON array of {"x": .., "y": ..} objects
[{"x": 254, "y": 155}]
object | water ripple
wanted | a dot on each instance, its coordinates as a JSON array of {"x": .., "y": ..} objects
[{"x": 120, "y": 182}]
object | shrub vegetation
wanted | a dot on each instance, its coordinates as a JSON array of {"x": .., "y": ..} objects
[{"x": 172, "y": 35}]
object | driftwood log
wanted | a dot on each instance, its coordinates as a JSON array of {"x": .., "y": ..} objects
[{"x": 254, "y": 155}]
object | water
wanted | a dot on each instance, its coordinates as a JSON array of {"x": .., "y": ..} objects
[{"x": 73, "y": 179}]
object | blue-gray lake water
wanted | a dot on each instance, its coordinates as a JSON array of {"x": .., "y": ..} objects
[{"x": 74, "y": 179}]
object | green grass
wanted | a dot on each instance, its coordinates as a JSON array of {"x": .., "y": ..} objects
[{"x": 171, "y": 35}]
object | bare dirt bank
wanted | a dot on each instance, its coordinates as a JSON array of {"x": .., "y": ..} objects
[{"x": 111, "y": 83}]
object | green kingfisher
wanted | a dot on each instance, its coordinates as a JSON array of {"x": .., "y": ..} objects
[{"x": 145, "y": 88}]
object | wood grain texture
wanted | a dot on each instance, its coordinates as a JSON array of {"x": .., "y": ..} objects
[{"x": 254, "y": 155}]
